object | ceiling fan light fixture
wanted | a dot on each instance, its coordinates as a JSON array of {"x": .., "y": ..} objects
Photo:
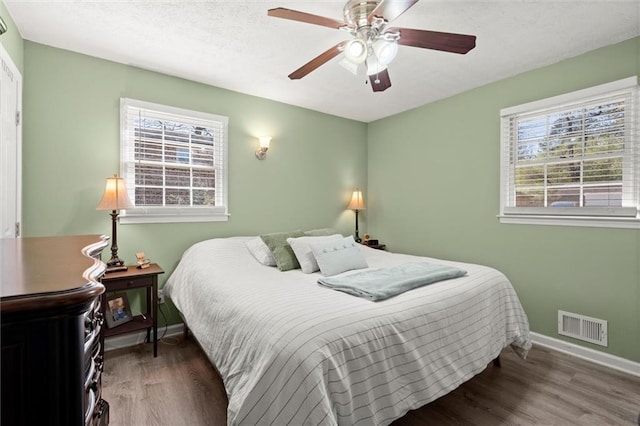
[
  {"x": 385, "y": 51},
  {"x": 356, "y": 51},
  {"x": 374, "y": 66},
  {"x": 349, "y": 66},
  {"x": 372, "y": 44}
]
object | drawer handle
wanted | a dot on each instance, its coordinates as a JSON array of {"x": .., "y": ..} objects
[
  {"x": 130, "y": 283},
  {"x": 99, "y": 320}
]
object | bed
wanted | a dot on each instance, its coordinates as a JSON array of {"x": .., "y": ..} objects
[{"x": 293, "y": 352}]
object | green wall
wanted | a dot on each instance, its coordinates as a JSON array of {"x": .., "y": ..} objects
[
  {"x": 433, "y": 189},
  {"x": 11, "y": 40},
  {"x": 403, "y": 163},
  {"x": 71, "y": 145}
]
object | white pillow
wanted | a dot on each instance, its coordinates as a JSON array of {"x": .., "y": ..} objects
[
  {"x": 302, "y": 249},
  {"x": 338, "y": 256},
  {"x": 260, "y": 251}
]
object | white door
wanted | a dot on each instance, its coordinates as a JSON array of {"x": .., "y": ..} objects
[{"x": 10, "y": 147}]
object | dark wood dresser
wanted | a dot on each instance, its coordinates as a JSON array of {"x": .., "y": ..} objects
[{"x": 51, "y": 323}]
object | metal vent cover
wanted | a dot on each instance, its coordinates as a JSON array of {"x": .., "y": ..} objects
[{"x": 592, "y": 330}]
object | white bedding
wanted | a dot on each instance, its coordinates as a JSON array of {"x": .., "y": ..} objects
[{"x": 292, "y": 352}]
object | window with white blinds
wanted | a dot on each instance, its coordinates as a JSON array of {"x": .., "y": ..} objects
[
  {"x": 573, "y": 159},
  {"x": 174, "y": 162}
]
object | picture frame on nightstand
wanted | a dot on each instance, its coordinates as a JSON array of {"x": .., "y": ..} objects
[{"x": 118, "y": 310}]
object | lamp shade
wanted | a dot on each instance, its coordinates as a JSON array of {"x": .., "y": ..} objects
[
  {"x": 357, "y": 202},
  {"x": 115, "y": 195},
  {"x": 374, "y": 67},
  {"x": 264, "y": 141},
  {"x": 385, "y": 51}
]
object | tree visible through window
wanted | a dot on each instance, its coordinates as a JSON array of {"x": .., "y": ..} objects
[
  {"x": 571, "y": 158},
  {"x": 174, "y": 161},
  {"x": 574, "y": 155}
]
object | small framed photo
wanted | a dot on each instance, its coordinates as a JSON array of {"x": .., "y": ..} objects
[{"x": 118, "y": 310}]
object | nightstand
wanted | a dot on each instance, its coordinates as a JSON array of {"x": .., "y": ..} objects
[
  {"x": 131, "y": 279},
  {"x": 377, "y": 246}
]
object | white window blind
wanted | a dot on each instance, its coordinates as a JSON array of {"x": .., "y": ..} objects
[
  {"x": 573, "y": 155},
  {"x": 174, "y": 162}
]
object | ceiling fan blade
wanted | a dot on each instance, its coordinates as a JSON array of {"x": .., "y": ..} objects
[
  {"x": 447, "y": 42},
  {"x": 316, "y": 62},
  {"x": 380, "y": 81},
  {"x": 390, "y": 9},
  {"x": 294, "y": 15}
]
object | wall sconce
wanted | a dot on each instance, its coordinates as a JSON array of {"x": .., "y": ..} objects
[{"x": 261, "y": 153}]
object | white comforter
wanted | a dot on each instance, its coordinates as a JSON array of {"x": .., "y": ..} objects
[{"x": 293, "y": 352}]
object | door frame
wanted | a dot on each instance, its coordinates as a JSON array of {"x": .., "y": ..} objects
[{"x": 4, "y": 55}]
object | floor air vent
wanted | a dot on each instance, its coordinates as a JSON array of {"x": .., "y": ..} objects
[{"x": 581, "y": 327}]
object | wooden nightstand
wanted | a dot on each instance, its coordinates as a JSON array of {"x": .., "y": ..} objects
[
  {"x": 376, "y": 246},
  {"x": 131, "y": 279}
]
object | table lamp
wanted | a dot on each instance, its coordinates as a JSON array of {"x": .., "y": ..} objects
[
  {"x": 115, "y": 197},
  {"x": 356, "y": 204}
]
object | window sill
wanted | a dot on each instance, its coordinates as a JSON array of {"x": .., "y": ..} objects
[
  {"x": 587, "y": 221},
  {"x": 184, "y": 218}
]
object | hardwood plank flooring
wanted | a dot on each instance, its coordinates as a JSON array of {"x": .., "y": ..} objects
[{"x": 180, "y": 387}]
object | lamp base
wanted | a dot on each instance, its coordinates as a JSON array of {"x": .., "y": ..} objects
[{"x": 115, "y": 264}]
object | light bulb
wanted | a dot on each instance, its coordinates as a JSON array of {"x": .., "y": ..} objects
[{"x": 356, "y": 51}]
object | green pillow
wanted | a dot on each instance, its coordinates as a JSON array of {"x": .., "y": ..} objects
[
  {"x": 281, "y": 250},
  {"x": 322, "y": 232}
]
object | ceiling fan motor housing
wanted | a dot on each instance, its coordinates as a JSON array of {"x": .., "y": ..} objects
[{"x": 357, "y": 11}]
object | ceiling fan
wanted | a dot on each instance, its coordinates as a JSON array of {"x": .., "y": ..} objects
[{"x": 373, "y": 43}]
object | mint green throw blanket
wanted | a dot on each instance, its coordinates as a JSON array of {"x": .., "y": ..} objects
[{"x": 383, "y": 283}]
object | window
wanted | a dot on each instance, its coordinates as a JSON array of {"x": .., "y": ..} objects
[
  {"x": 174, "y": 162},
  {"x": 573, "y": 159}
]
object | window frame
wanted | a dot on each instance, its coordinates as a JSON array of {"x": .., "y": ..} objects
[
  {"x": 569, "y": 216},
  {"x": 173, "y": 214}
]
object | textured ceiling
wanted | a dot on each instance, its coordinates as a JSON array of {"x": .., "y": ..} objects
[{"x": 235, "y": 45}]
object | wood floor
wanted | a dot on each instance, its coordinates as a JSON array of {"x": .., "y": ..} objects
[{"x": 180, "y": 387}]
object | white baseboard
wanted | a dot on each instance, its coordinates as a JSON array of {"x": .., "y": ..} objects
[
  {"x": 602, "y": 358},
  {"x": 132, "y": 339}
]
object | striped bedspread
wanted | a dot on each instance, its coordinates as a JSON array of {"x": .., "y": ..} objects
[{"x": 293, "y": 352}]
